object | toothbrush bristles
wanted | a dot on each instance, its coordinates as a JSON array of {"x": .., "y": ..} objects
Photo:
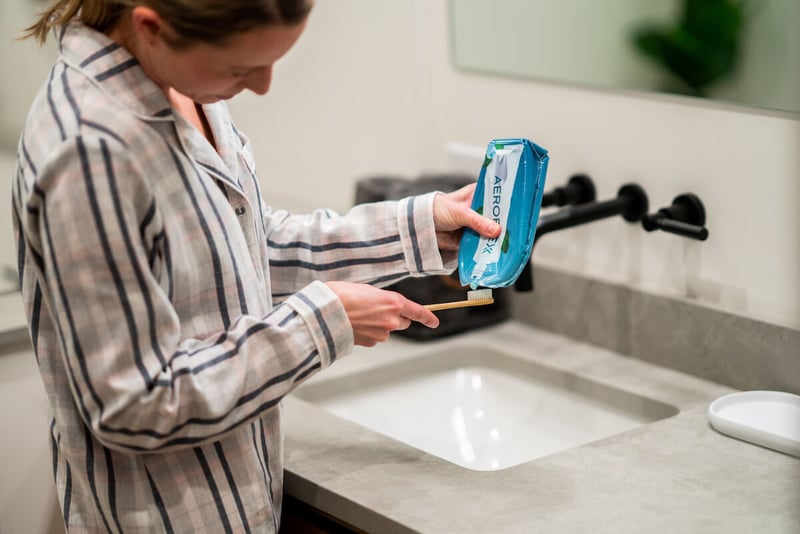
[{"x": 479, "y": 294}]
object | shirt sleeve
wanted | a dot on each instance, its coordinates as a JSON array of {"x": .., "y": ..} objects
[
  {"x": 139, "y": 384},
  {"x": 378, "y": 243}
]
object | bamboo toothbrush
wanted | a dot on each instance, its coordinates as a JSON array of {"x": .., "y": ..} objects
[{"x": 479, "y": 297}]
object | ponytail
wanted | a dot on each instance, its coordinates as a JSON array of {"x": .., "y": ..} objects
[{"x": 98, "y": 14}]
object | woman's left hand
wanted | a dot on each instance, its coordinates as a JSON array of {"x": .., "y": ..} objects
[{"x": 452, "y": 212}]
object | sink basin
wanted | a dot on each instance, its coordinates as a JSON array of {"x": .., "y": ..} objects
[{"x": 482, "y": 408}]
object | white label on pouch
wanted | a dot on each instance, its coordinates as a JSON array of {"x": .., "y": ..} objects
[{"x": 498, "y": 186}]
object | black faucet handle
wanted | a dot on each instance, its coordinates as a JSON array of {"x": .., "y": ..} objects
[
  {"x": 634, "y": 202},
  {"x": 685, "y": 217},
  {"x": 579, "y": 190}
]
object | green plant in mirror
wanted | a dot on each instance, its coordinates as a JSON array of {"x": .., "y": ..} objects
[{"x": 702, "y": 48}]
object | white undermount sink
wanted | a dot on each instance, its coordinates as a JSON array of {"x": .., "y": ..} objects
[{"x": 482, "y": 408}]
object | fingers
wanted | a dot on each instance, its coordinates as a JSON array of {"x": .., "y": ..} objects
[
  {"x": 371, "y": 336},
  {"x": 452, "y": 212},
  {"x": 419, "y": 313},
  {"x": 374, "y": 313},
  {"x": 483, "y": 226},
  {"x": 463, "y": 194}
]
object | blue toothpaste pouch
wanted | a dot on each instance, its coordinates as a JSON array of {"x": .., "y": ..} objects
[{"x": 509, "y": 191}]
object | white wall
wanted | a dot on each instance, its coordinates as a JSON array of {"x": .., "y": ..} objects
[
  {"x": 371, "y": 89},
  {"x": 23, "y": 64},
  {"x": 351, "y": 99}
]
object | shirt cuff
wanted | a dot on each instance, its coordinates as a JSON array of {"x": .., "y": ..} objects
[
  {"x": 326, "y": 321},
  {"x": 418, "y": 236}
]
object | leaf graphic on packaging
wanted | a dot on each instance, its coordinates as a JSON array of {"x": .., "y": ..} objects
[
  {"x": 486, "y": 161},
  {"x": 504, "y": 246},
  {"x": 479, "y": 210}
]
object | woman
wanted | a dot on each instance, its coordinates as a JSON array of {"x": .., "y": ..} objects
[{"x": 169, "y": 307}]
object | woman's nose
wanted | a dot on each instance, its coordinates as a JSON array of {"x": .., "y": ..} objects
[{"x": 259, "y": 80}]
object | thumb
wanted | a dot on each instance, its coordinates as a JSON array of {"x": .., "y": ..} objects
[{"x": 482, "y": 225}]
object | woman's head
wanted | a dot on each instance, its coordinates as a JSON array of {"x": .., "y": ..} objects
[
  {"x": 208, "y": 50},
  {"x": 209, "y": 21}
]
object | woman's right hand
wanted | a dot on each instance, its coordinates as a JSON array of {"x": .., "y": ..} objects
[{"x": 374, "y": 312}]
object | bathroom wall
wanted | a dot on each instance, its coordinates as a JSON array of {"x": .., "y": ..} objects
[
  {"x": 353, "y": 98},
  {"x": 744, "y": 164},
  {"x": 357, "y": 98},
  {"x": 23, "y": 64}
]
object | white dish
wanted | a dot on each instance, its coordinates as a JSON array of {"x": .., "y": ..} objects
[{"x": 767, "y": 418}]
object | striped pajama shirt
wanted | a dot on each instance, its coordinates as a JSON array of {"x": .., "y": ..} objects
[{"x": 169, "y": 307}]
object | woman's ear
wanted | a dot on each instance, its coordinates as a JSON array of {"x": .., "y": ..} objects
[{"x": 148, "y": 24}]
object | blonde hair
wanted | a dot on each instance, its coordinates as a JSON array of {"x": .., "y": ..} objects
[{"x": 210, "y": 21}]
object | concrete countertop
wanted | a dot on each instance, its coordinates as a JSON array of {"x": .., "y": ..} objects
[{"x": 674, "y": 475}]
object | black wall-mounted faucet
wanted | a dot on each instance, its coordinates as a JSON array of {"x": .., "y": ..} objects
[{"x": 631, "y": 203}]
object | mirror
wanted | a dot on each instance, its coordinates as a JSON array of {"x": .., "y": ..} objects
[{"x": 742, "y": 51}]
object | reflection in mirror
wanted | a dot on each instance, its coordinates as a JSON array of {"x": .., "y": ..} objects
[{"x": 743, "y": 51}]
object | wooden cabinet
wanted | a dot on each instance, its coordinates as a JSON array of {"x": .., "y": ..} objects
[{"x": 300, "y": 518}]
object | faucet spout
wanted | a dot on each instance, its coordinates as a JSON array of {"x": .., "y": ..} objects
[
  {"x": 631, "y": 203},
  {"x": 578, "y": 190}
]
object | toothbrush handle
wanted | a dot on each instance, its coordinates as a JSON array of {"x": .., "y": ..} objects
[{"x": 458, "y": 304}]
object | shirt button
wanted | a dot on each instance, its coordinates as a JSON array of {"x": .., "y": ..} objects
[{"x": 239, "y": 210}]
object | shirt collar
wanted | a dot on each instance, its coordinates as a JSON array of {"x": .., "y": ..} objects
[
  {"x": 114, "y": 69},
  {"x": 119, "y": 74}
]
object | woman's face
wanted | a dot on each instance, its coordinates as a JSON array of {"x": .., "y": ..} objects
[{"x": 208, "y": 73}]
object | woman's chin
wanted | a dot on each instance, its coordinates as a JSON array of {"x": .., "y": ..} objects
[{"x": 211, "y": 99}]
